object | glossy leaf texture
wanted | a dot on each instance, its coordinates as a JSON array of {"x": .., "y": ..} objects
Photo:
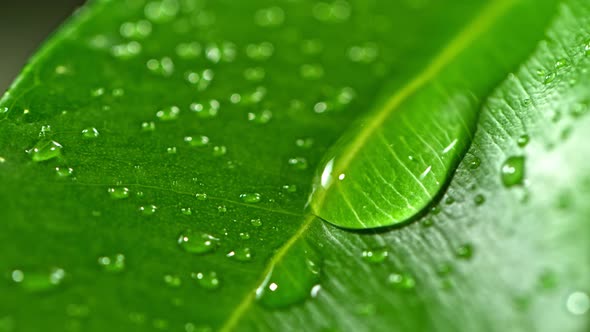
[
  {"x": 394, "y": 162},
  {"x": 156, "y": 159}
]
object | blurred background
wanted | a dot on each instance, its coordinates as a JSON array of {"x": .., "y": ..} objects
[{"x": 24, "y": 25}]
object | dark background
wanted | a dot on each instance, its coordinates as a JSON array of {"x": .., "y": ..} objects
[{"x": 24, "y": 25}]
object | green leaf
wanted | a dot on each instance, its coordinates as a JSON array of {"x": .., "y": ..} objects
[
  {"x": 392, "y": 164},
  {"x": 172, "y": 147}
]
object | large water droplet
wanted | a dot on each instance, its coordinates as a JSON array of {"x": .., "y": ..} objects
[
  {"x": 196, "y": 242},
  {"x": 279, "y": 289},
  {"x": 45, "y": 150}
]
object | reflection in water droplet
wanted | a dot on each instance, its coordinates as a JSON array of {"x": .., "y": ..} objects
[
  {"x": 118, "y": 192},
  {"x": 256, "y": 222},
  {"x": 206, "y": 111},
  {"x": 148, "y": 126},
  {"x": 196, "y": 242},
  {"x": 244, "y": 236},
  {"x": 261, "y": 117},
  {"x": 201, "y": 196},
  {"x": 523, "y": 140},
  {"x": 207, "y": 280},
  {"x": 219, "y": 150},
  {"x": 45, "y": 150},
  {"x": 512, "y": 171},
  {"x": 290, "y": 188},
  {"x": 114, "y": 263},
  {"x": 250, "y": 197},
  {"x": 90, "y": 133}
]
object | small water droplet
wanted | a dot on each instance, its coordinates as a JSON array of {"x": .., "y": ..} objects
[
  {"x": 561, "y": 63},
  {"x": 172, "y": 280},
  {"x": 512, "y": 171},
  {"x": 35, "y": 281},
  {"x": 148, "y": 126},
  {"x": 168, "y": 113},
  {"x": 207, "y": 280},
  {"x": 298, "y": 163},
  {"x": 136, "y": 30},
  {"x": 90, "y": 133},
  {"x": 335, "y": 12},
  {"x": 312, "y": 46},
  {"x": 290, "y": 188},
  {"x": 244, "y": 236},
  {"x": 197, "y": 141},
  {"x": 304, "y": 143},
  {"x": 365, "y": 53},
  {"x": 256, "y": 222},
  {"x": 161, "y": 11},
  {"x": 250, "y": 197},
  {"x": 219, "y": 150},
  {"x": 260, "y": 52},
  {"x": 464, "y": 251},
  {"x": 222, "y": 209},
  {"x": 479, "y": 199},
  {"x": 269, "y": 17},
  {"x": 114, "y": 263},
  {"x": 254, "y": 74},
  {"x": 261, "y": 117},
  {"x": 523, "y": 140},
  {"x": 550, "y": 77},
  {"x": 201, "y": 196},
  {"x": 188, "y": 50},
  {"x": 196, "y": 242},
  {"x": 118, "y": 192},
  {"x": 45, "y": 150},
  {"x": 163, "y": 67},
  {"x": 241, "y": 254},
  {"x": 148, "y": 210},
  {"x": 207, "y": 110},
  {"x": 401, "y": 281},
  {"x": 374, "y": 256},
  {"x": 125, "y": 51},
  {"x": 64, "y": 172},
  {"x": 311, "y": 71}
]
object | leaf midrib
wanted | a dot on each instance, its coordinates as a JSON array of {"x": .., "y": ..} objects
[{"x": 467, "y": 35}]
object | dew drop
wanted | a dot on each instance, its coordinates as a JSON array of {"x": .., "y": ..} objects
[
  {"x": 118, "y": 192},
  {"x": 126, "y": 50},
  {"x": 90, "y": 133},
  {"x": 161, "y": 11},
  {"x": 112, "y": 264},
  {"x": 260, "y": 52},
  {"x": 163, "y": 67},
  {"x": 250, "y": 197},
  {"x": 148, "y": 210},
  {"x": 45, "y": 150},
  {"x": 269, "y": 17},
  {"x": 197, "y": 141},
  {"x": 207, "y": 280},
  {"x": 374, "y": 256},
  {"x": 222, "y": 209},
  {"x": 290, "y": 188},
  {"x": 136, "y": 30},
  {"x": 168, "y": 113},
  {"x": 188, "y": 50},
  {"x": 172, "y": 280},
  {"x": 201, "y": 196},
  {"x": 244, "y": 236},
  {"x": 261, "y": 117},
  {"x": 254, "y": 74},
  {"x": 219, "y": 150},
  {"x": 312, "y": 46},
  {"x": 512, "y": 171},
  {"x": 148, "y": 126},
  {"x": 550, "y": 77},
  {"x": 298, "y": 163},
  {"x": 332, "y": 12},
  {"x": 171, "y": 150},
  {"x": 365, "y": 53},
  {"x": 196, "y": 242},
  {"x": 561, "y": 63},
  {"x": 311, "y": 71},
  {"x": 523, "y": 140},
  {"x": 401, "y": 281},
  {"x": 35, "y": 282},
  {"x": 207, "y": 110},
  {"x": 64, "y": 172},
  {"x": 241, "y": 254},
  {"x": 304, "y": 143},
  {"x": 464, "y": 251},
  {"x": 256, "y": 222},
  {"x": 479, "y": 199}
]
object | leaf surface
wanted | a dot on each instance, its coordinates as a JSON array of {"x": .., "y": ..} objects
[{"x": 172, "y": 147}]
